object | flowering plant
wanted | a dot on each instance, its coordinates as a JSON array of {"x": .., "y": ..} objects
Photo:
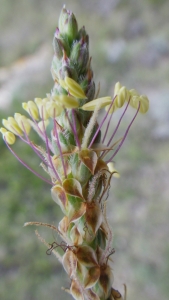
[{"x": 78, "y": 158}]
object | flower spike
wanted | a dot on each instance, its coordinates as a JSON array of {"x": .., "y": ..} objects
[{"x": 78, "y": 156}]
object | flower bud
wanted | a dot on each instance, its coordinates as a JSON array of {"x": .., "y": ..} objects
[
  {"x": 83, "y": 36},
  {"x": 63, "y": 18},
  {"x": 58, "y": 47},
  {"x": 90, "y": 91},
  {"x": 79, "y": 55},
  {"x": 63, "y": 41},
  {"x": 67, "y": 71},
  {"x": 68, "y": 24}
]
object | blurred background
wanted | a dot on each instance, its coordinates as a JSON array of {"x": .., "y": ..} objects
[{"x": 129, "y": 42}]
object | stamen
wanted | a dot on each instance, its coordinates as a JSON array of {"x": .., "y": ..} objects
[
  {"x": 124, "y": 137},
  {"x": 89, "y": 128},
  {"x": 118, "y": 124},
  {"x": 75, "y": 130},
  {"x": 111, "y": 115},
  {"x": 48, "y": 151},
  {"x": 73, "y": 127},
  {"x": 26, "y": 166},
  {"x": 60, "y": 150},
  {"x": 39, "y": 131},
  {"x": 101, "y": 124}
]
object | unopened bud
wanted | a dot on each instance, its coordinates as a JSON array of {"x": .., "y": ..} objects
[
  {"x": 68, "y": 24},
  {"x": 83, "y": 36},
  {"x": 58, "y": 47},
  {"x": 63, "y": 19},
  {"x": 79, "y": 55}
]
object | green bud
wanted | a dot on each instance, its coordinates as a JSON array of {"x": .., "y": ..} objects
[
  {"x": 90, "y": 91},
  {"x": 68, "y": 25},
  {"x": 79, "y": 55},
  {"x": 63, "y": 40},
  {"x": 67, "y": 71},
  {"x": 63, "y": 18},
  {"x": 58, "y": 47},
  {"x": 83, "y": 36}
]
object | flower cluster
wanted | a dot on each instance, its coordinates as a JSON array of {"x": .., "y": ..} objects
[{"x": 77, "y": 157}]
